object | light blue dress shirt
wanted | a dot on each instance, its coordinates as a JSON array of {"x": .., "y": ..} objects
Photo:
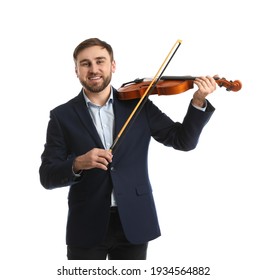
[{"x": 103, "y": 119}]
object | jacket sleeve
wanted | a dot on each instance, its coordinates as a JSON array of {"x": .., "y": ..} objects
[
  {"x": 179, "y": 135},
  {"x": 56, "y": 166}
]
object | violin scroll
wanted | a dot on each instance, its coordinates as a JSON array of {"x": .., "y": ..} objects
[{"x": 229, "y": 85}]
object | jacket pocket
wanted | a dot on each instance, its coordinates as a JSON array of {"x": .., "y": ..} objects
[{"x": 143, "y": 189}]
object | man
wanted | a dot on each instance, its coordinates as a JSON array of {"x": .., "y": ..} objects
[{"x": 111, "y": 206}]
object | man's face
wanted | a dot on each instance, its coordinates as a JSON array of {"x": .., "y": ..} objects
[{"x": 94, "y": 68}]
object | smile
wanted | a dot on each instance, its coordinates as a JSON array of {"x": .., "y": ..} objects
[{"x": 95, "y": 78}]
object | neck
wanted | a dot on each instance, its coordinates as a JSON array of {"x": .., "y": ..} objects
[{"x": 98, "y": 98}]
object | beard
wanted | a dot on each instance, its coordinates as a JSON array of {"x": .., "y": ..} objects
[{"x": 97, "y": 88}]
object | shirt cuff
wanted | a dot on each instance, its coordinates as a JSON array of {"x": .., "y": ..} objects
[
  {"x": 76, "y": 174},
  {"x": 201, "y": 108}
]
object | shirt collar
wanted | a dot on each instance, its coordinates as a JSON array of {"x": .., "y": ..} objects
[{"x": 89, "y": 102}]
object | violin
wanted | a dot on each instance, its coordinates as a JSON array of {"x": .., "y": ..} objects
[
  {"x": 168, "y": 85},
  {"x": 161, "y": 85}
]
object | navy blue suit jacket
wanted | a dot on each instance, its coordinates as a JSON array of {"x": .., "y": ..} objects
[{"x": 71, "y": 132}]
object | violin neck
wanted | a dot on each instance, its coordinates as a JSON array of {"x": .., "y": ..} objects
[
  {"x": 182, "y": 78},
  {"x": 178, "y": 78}
]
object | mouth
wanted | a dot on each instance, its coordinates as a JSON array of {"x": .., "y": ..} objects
[{"x": 95, "y": 78}]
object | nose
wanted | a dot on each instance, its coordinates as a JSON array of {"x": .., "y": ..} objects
[{"x": 93, "y": 68}]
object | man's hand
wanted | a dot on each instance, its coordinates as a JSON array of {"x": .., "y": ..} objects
[
  {"x": 95, "y": 158},
  {"x": 206, "y": 85}
]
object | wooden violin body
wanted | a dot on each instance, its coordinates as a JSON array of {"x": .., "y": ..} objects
[{"x": 168, "y": 85}]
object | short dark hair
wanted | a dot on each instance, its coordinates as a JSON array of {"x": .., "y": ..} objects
[{"x": 90, "y": 43}]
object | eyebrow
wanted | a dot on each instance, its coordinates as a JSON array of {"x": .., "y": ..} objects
[
  {"x": 97, "y": 58},
  {"x": 101, "y": 57}
]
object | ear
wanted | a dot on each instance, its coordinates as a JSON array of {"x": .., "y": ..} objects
[
  {"x": 113, "y": 66},
  {"x": 76, "y": 71}
]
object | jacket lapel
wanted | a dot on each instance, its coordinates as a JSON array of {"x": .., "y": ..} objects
[
  {"x": 85, "y": 118},
  {"x": 121, "y": 113}
]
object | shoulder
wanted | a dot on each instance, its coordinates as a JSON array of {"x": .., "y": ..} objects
[{"x": 70, "y": 103}]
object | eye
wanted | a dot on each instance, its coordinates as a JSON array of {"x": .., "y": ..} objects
[
  {"x": 85, "y": 64},
  {"x": 100, "y": 61}
]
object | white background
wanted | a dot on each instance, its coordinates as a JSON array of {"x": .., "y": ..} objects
[{"x": 211, "y": 201}]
